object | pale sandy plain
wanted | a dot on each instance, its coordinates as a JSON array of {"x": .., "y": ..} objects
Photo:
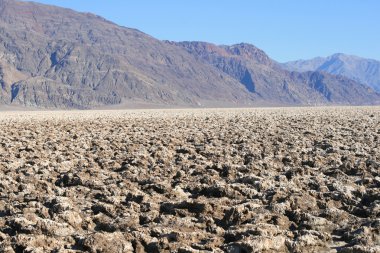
[{"x": 197, "y": 180}]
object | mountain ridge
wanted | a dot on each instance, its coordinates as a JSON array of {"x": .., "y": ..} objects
[
  {"x": 363, "y": 70},
  {"x": 263, "y": 76},
  {"x": 54, "y": 57}
]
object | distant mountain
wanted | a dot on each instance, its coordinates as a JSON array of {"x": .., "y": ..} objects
[
  {"x": 56, "y": 57},
  {"x": 264, "y": 77},
  {"x": 366, "y": 71}
]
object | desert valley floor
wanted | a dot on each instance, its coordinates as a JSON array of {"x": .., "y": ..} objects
[{"x": 197, "y": 180}]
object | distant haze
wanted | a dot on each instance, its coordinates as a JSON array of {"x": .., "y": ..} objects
[
  {"x": 286, "y": 30},
  {"x": 362, "y": 70}
]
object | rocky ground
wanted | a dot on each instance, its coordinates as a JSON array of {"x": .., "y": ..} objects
[{"x": 231, "y": 180}]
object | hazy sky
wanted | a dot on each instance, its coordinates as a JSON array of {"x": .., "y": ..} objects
[{"x": 285, "y": 29}]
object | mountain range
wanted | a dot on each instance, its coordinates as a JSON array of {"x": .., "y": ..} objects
[
  {"x": 52, "y": 57},
  {"x": 366, "y": 71}
]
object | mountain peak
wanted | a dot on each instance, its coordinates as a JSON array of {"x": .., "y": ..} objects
[
  {"x": 249, "y": 51},
  {"x": 343, "y": 56},
  {"x": 242, "y": 50},
  {"x": 366, "y": 71},
  {"x": 338, "y": 55},
  {"x": 202, "y": 47}
]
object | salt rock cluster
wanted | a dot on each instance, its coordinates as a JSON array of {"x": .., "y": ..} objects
[{"x": 216, "y": 180}]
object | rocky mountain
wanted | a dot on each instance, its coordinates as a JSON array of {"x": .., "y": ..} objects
[
  {"x": 362, "y": 70},
  {"x": 56, "y": 57},
  {"x": 264, "y": 77}
]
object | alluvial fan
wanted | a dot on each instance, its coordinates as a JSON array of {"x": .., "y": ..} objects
[{"x": 217, "y": 180}]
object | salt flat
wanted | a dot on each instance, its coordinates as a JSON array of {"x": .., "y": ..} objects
[{"x": 191, "y": 180}]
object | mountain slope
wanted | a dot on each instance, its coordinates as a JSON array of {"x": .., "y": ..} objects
[
  {"x": 262, "y": 76},
  {"x": 70, "y": 59},
  {"x": 56, "y": 57},
  {"x": 362, "y": 70}
]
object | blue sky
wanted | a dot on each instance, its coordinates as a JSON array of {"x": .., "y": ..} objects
[{"x": 285, "y": 29}]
